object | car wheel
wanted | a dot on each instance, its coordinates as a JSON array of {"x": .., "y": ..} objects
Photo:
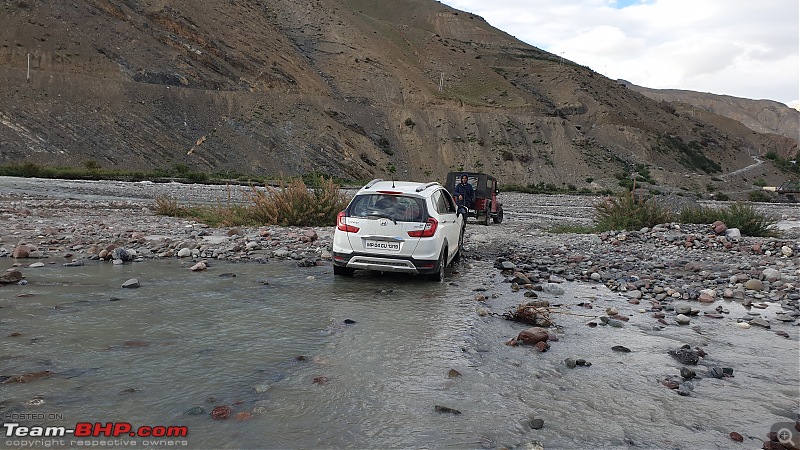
[
  {"x": 439, "y": 276},
  {"x": 499, "y": 217},
  {"x": 460, "y": 249},
  {"x": 343, "y": 271}
]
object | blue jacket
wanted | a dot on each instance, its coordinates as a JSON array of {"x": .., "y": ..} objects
[{"x": 468, "y": 193}]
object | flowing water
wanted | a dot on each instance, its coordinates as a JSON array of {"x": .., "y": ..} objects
[{"x": 274, "y": 342}]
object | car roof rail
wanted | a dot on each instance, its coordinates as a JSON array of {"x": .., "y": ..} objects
[
  {"x": 372, "y": 183},
  {"x": 426, "y": 186}
]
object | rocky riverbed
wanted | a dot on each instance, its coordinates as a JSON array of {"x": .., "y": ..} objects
[{"x": 669, "y": 277}]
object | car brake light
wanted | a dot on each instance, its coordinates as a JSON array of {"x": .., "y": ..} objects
[
  {"x": 428, "y": 231},
  {"x": 342, "y": 226}
]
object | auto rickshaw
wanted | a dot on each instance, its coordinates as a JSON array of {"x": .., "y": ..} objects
[{"x": 485, "y": 205}]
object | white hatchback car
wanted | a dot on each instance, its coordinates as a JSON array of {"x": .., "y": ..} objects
[{"x": 398, "y": 226}]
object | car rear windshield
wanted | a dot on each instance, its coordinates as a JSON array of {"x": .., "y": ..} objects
[{"x": 395, "y": 207}]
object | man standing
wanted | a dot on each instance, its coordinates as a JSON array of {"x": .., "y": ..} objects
[{"x": 465, "y": 195}]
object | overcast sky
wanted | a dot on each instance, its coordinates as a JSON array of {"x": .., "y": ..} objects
[{"x": 743, "y": 48}]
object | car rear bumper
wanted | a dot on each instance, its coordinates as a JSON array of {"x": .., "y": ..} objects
[{"x": 365, "y": 261}]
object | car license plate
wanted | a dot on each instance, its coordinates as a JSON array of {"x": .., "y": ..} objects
[{"x": 389, "y": 246}]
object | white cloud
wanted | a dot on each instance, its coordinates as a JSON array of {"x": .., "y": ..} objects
[{"x": 742, "y": 48}]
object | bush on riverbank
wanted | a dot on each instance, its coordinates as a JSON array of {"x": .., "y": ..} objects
[
  {"x": 738, "y": 215},
  {"x": 629, "y": 212},
  {"x": 292, "y": 204}
]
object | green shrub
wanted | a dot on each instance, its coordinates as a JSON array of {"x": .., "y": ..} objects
[
  {"x": 627, "y": 212},
  {"x": 749, "y": 221},
  {"x": 759, "y": 196},
  {"x": 760, "y": 182},
  {"x": 738, "y": 215},
  {"x": 292, "y": 204}
]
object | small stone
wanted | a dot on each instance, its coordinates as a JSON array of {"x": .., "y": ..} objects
[
  {"x": 533, "y": 335},
  {"x": 787, "y": 252},
  {"x": 611, "y": 311},
  {"x": 542, "y": 346},
  {"x": 133, "y": 283},
  {"x": 758, "y": 321},
  {"x": 221, "y": 412},
  {"x": 195, "y": 411},
  {"x": 743, "y": 325},
  {"x": 36, "y": 265},
  {"x": 453, "y": 373},
  {"x": 570, "y": 362},
  {"x": 683, "y": 308},
  {"x": 687, "y": 373},
  {"x": 754, "y": 285},
  {"x": 184, "y": 253},
  {"x": 736, "y": 436},
  {"x": 615, "y": 323},
  {"x": 620, "y": 348},
  {"x": 446, "y": 410},
  {"x": 536, "y": 424},
  {"x": 682, "y": 319}
]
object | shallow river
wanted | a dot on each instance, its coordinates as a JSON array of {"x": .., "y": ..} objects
[{"x": 273, "y": 343}]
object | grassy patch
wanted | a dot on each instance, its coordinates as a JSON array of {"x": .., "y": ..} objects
[
  {"x": 629, "y": 212},
  {"x": 739, "y": 215},
  {"x": 292, "y": 204}
]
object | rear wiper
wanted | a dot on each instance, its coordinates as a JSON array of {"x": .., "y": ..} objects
[{"x": 382, "y": 216}]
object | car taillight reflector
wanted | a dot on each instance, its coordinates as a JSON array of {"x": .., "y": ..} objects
[
  {"x": 342, "y": 226},
  {"x": 428, "y": 231}
]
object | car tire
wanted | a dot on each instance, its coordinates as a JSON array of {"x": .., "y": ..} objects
[
  {"x": 343, "y": 271},
  {"x": 498, "y": 218},
  {"x": 439, "y": 275}
]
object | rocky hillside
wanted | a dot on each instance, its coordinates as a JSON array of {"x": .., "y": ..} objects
[
  {"x": 763, "y": 116},
  {"x": 351, "y": 88}
]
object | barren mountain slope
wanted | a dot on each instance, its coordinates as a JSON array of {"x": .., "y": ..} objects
[{"x": 352, "y": 88}]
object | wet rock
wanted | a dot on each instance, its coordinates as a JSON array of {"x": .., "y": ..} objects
[
  {"x": 121, "y": 254},
  {"x": 787, "y": 252},
  {"x": 195, "y": 411},
  {"x": 736, "y": 436},
  {"x": 199, "y": 267},
  {"x": 536, "y": 424},
  {"x": 758, "y": 321},
  {"x": 570, "y": 362},
  {"x": 682, "y": 319},
  {"x": 533, "y": 335},
  {"x": 243, "y": 415},
  {"x": 36, "y": 265},
  {"x": 21, "y": 251},
  {"x": 682, "y": 308},
  {"x": 687, "y": 374},
  {"x": 28, "y": 377},
  {"x": 784, "y": 317},
  {"x": 446, "y": 410},
  {"x": 10, "y": 276},
  {"x": 685, "y": 356},
  {"x": 184, "y": 253},
  {"x": 621, "y": 349},
  {"x": 133, "y": 283},
  {"x": 320, "y": 380},
  {"x": 542, "y": 346},
  {"x": 719, "y": 227},
  {"x": 221, "y": 412},
  {"x": 615, "y": 323},
  {"x": 349, "y": 321},
  {"x": 453, "y": 373},
  {"x": 582, "y": 362},
  {"x": 74, "y": 263}
]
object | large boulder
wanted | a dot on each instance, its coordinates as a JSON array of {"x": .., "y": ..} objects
[{"x": 10, "y": 276}]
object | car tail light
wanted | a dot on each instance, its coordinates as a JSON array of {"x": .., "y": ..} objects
[
  {"x": 342, "y": 226},
  {"x": 428, "y": 231}
]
